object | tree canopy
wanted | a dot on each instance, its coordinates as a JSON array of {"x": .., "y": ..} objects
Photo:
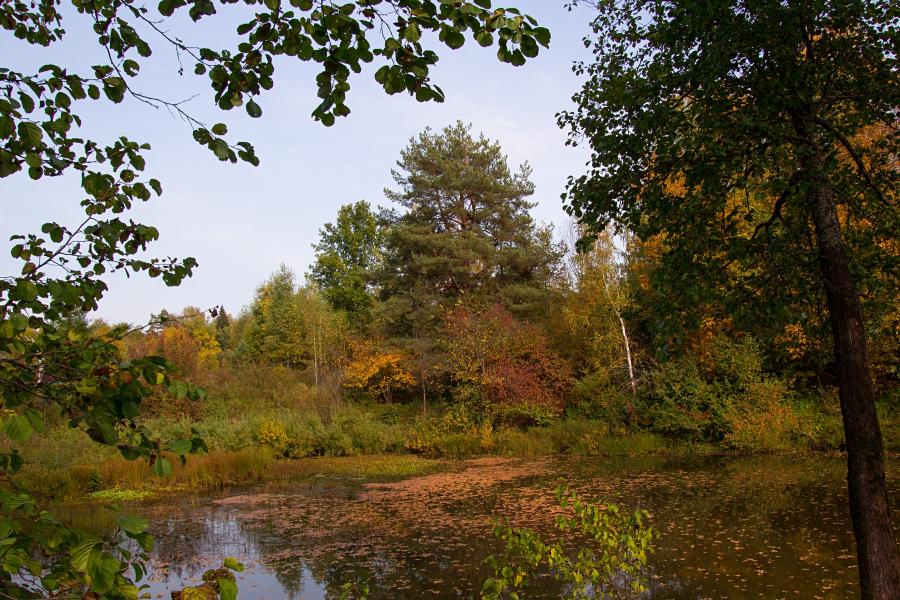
[
  {"x": 465, "y": 232},
  {"x": 348, "y": 255},
  {"x": 744, "y": 129},
  {"x": 63, "y": 267}
]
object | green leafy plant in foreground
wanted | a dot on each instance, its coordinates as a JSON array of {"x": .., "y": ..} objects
[
  {"x": 80, "y": 565},
  {"x": 217, "y": 583},
  {"x": 47, "y": 366},
  {"x": 611, "y": 564}
]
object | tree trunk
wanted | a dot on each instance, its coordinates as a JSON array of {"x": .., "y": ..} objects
[
  {"x": 628, "y": 354},
  {"x": 876, "y": 546},
  {"x": 316, "y": 357},
  {"x": 424, "y": 397}
]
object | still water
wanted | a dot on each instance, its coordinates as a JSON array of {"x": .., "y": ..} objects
[{"x": 756, "y": 527}]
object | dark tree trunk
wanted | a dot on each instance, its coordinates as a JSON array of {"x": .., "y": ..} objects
[{"x": 876, "y": 546}]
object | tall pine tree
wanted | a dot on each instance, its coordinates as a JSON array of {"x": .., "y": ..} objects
[{"x": 464, "y": 234}]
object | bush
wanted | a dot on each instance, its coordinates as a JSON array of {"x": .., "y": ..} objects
[
  {"x": 293, "y": 433},
  {"x": 368, "y": 435},
  {"x": 427, "y": 434},
  {"x": 596, "y": 398},
  {"x": 523, "y": 416},
  {"x": 458, "y": 445},
  {"x": 573, "y": 435},
  {"x": 763, "y": 420},
  {"x": 724, "y": 398},
  {"x": 681, "y": 404}
]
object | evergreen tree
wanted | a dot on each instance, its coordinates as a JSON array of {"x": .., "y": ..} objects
[{"x": 465, "y": 232}]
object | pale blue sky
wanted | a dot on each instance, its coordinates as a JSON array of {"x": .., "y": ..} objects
[{"x": 241, "y": 222}]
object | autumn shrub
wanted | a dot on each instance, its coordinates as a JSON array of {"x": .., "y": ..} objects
[
  {"x": 368, "y": 435},
  {"x": 220, "y": 433},
  {"x": 724, "y": 397},
  {"x": 377, "y": 372},
  {"x": 733, "y": 362},
  {"x": 504, "y": 363},
  {"x": 459, "y": 445},
  {"x": 523, "y": 416},
  {"x": 577, "y": 436},
  {"x": 762, "y": 420},
  {"x": 427, "y": 434},
  {"x": 228, "y": 434},
  {"x": 306, "y": 435},
  {"x": 272, "y": 434},
  {"x": 292, "y": 433}
]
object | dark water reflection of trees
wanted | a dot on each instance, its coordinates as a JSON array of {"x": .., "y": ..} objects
[{"x": 755, "y": 527}]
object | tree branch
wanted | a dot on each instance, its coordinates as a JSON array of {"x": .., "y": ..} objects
[{"x": 861, "y": 167}]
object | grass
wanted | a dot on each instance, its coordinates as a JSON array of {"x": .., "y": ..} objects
[
  {"x": 119, "y": 480},
  {"x": 266, "y": 424}
]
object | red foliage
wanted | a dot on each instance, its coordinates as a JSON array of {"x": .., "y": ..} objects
[{"x": 507, "y": 359}]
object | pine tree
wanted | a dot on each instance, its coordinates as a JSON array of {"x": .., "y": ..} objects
[{"x": 465, "y": 232}]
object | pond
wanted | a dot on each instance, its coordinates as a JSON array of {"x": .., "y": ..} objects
[{"x": 752, "y": 527}]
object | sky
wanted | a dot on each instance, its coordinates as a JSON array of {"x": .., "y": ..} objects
[{"x": 241, "y": 222}]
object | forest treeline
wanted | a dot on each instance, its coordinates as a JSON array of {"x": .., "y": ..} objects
[{"x": 455, "y": 307}]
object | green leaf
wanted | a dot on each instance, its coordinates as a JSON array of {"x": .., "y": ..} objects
[
  {"x": 18, "y": 428},
  {"x": 412, "y": 32},
  {"x": 220, "y": 129},
  {"x": 453, "y": 38},
  {"x": 253, "y": 109},
  {"x": 220, "y": 149},
  {"x": 484, "y": 38},
  {"x": 181, "y": 447},
  {"x": 131, "y": 67},
  {"x": 232, "y": 563},
  {"x": 132, "y": 524},
  {"x": 36, "y": 420},
  {"x": 167, "y": 7},
  {"x": 162, "y": 467},
  {"x": 30, "y": 133},
  {"x": 85, "y": 555},
  {"x": 227, "y": 589},
  {"x": 27, "y": 102}
]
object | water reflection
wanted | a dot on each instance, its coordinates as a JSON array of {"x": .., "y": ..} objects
[{"x": 760, "y": 527}]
